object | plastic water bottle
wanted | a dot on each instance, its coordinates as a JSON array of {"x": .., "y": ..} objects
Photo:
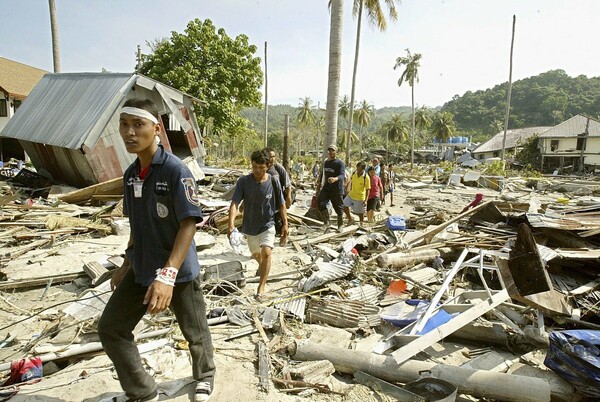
[{"x": 236, "y": 239}]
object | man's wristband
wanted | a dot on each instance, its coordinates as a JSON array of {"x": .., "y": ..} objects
[{"x": 167, "y": 275}]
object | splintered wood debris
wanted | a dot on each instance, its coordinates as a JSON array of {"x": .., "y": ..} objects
[{"x": 504, "y": 274}]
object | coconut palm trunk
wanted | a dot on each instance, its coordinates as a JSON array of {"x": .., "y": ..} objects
[
  {"x": 335, "y": 64},
  {"x": 412, "y": 127}
]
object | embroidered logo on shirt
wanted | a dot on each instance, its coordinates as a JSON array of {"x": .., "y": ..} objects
[
  {"x": 191, "y": 192},
  {"x": 162, "y": 210}
]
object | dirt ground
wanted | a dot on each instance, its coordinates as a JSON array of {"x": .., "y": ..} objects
[{"x": 92, "y": 379}]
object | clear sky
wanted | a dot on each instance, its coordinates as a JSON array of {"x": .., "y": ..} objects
[{"x": 465, "y": 44}]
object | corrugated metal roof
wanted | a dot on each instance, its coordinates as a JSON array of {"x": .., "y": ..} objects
[
  {"x": 295, "y": 307},
  {"x": 18, "y": 79},
  {"x": 558, "y": 222},
  {"x": 512, "y": 136},
  {"x": 68, "y": 110},
  {"x": 574, "y": 127},
  {"x": 367, "y": 293},
  {"x": 328, "y": 271}
]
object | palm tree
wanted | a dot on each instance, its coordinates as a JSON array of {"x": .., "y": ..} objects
[
  {"x": 410, "y": 75},
  {"x": 54, "y": 32},
  {"x": 443, "y": 126},
  {"x": 395, "y": 129},
  {"x": 496, "y": 126},
  {"x": 363, "y": 117},
  {"x": 376, "y": 17},
  {"x": 305, "y": 117},
  {"x": 422, "y": 120},
  {"x": 344, "y": 137},
  {"x": 344, "y": 107},
  {"x": 333, "y": 81}
]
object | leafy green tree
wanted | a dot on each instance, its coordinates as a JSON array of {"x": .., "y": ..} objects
[
  {"x": 442, "y": 126},
  {"x": 530, "y": 155},
  {"x": 395, "y": 129},
  {"x": 206, "y": 63},
  {"x": 542, "y": 100},
  {"x": 376, "y": 17},
  {"x": 411, "y": 62}
]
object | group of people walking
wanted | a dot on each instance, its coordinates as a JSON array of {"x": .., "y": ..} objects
[{"x": 364, "y": 190}]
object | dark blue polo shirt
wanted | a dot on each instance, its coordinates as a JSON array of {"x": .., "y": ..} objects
[
  {"x": 259, "y": 203},
  {"x": 169, "y": 195}
]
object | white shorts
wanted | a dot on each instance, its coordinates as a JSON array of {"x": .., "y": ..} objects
[
  {"x": 266, "y": 238},
  {"x": 357, "y": 206}
]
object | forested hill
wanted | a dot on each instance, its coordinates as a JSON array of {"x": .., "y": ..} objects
[{"x": 543, "y": 100}]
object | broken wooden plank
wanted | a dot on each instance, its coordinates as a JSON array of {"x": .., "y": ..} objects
[
  {"x": 81, "y": 196},
  {"x": 264, "y": 366},
  {"x": 96, "y": 271},
  {"x": 305, "y": 218},
  {"x": 326, "y": 237},
  {"x": 550, "y": 302},
  {"x": 31, "y": 246},
  {"x": 428, "y": 234},
  {"x": 42, "y": 281},
  {"x": 583, "y": 289}
]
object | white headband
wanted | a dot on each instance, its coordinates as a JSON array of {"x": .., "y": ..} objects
[{"x": 135, "y": 111}]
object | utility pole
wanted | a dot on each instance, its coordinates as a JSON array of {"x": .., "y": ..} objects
[
  {"x": 54, "y": 32},
  {"x": 266, "y": 99},
  {"x": 508, "y": 93},
  {"x": 138, "y": 58}
]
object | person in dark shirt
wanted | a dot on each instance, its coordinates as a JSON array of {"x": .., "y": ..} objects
[
  {"x": 331, "y": 188},
  {"x": 161, "y": 268},
  {"x": 277, "y": 170},
  {"x": 262, "y": 196}
]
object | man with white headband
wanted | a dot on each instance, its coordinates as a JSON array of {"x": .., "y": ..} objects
[{"x": 161, "y": 268}]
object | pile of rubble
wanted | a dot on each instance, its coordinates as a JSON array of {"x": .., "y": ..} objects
[{"x": 499, "y": 301}]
